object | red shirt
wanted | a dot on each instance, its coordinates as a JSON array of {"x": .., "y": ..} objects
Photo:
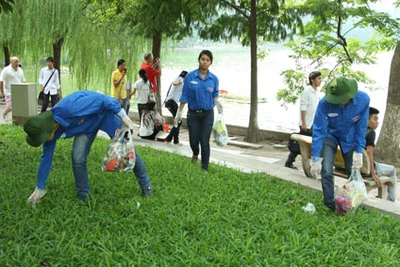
[{"x": 152, "y": 74}]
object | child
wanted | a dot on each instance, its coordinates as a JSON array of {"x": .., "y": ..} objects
[{"x": 379, "y": 169}]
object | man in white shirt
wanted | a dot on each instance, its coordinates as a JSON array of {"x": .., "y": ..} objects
[
  {"x": 309, "y": 99},
  {"x": 10, "y": 75},
  {"x": 49, "y": 84}
]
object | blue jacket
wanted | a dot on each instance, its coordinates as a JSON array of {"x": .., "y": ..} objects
[
  {"x": 199, "y": 93},
  {"x": 82, "y": 112},
  {"x": 346, "y": 126}
]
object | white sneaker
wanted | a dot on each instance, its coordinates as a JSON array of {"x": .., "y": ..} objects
[
  {"x": 36, "y": 195},
  {"x": 396, "y": 202}
]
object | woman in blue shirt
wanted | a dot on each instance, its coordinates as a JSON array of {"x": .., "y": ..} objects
[{"x": 200, "y": 92}]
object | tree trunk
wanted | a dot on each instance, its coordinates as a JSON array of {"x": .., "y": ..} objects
[
  {"x": 156, "y": 50},
  {"x": 387, "y": 148},
  {"x": 253, "y": 131},
  {"x": 6, "y": 55},
  {"x": 57, "y": 58}
]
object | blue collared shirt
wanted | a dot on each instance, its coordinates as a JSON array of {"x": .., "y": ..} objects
[
  {"x": 346, "y": 126},
  {"x": 199, "y": 93},
  {"x": 82, "y": 112}
]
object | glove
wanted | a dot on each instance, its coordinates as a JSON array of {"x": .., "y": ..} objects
[
  {"x": 128, "y": 123},
  {"x": 220, "y": 108},
  {"x": 357, "y": 160},
  {"x": 36, "y": 196},
  {"x": 178, "y": 118},
  {"x": 316, "y": 168}
]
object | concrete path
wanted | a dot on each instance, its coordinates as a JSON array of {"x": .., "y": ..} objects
[{"x": 268, "y": 159}]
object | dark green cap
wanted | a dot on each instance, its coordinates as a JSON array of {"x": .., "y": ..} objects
[
  {"x": 340, "y": 89},
  {"x": 39, "y": 128}
]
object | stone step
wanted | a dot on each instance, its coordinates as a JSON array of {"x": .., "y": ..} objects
[{"x": 243, "y": 144}]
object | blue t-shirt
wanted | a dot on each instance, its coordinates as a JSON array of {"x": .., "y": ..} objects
[
  {"x": 199, "y": 93},
  {"x": 346, "y": 126}
]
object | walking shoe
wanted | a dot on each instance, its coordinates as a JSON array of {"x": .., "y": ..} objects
[
  {"x": 194, "y": 158},
  {"x": 291, "y": 167},
  {"x": 147, "y": 192},
  {"x": 176, "y": 140},
  {"x": 36, "y": 195}
]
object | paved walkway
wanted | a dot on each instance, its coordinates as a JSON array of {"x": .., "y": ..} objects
[{"x": 268, "y": 159}]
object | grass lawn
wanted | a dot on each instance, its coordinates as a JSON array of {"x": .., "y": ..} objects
[{"x": 225, "y": 218}]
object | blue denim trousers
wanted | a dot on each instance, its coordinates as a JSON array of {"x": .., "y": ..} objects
[
  {"x": 200, "y": 125},
  {"x": 80, "y": 151},
  {"x": 328, "y": 153}
]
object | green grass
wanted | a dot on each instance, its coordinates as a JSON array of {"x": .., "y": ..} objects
[{"x": 225, "y": 218}]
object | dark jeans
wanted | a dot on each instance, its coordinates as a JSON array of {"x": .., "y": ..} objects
[
  {"x": 292, "y": 156},
  {"x": 172, "y": 106},
  {"x": 46, "y": 97},
  {"x": 328, "y": 153},
  {"x": 156, "y": 130},
  {"x": 200, "y": 124},
  {"x": 141, "y": 107}
]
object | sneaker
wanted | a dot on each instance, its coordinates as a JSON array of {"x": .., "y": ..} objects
[
  {"x": 396, "y": 202},
  {"x": 36, "y": 195},
  {"x": 176, "y": 141},
  {"x": 147, "y": 192}
]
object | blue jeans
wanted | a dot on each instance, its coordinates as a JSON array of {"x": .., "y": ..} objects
[
  {"x": 80, "y": 151},
  {"x": 200, "y": 124},
  {"x": 328, "y": 153}
]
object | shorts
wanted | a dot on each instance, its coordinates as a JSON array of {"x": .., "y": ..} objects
[{"x": 8, "y": 101}]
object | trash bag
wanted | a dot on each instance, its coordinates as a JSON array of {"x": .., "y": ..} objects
[
  {"x": 353, "y": 193},
  {"x": 220, "y": 132},
  {"x": 120, "y": 154}
]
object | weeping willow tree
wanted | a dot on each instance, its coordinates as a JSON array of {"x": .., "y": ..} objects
[{"x": 40, "y": 28}]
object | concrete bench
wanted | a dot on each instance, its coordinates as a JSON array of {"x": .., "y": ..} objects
[{"x": 305, "y": 150}]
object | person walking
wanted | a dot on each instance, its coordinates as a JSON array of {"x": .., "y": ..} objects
[
  {"x": 80, "y": 115},
  {"x": 308, "y": 105},
  {"x": 200, "y": 91},
  {"x": 49, "y": 84},
  {"x": 10, "y": 75},
  {"x": 341, "y": 119},
  {"x": 118, "y": 84},
  {"x": 142, "y": 87},
  {"x": 171, "y": 103}
]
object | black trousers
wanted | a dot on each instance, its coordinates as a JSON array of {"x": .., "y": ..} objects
[
  {"x": 46, "y": 97},
  {"x": 292, "y": 156},
  {"x": 172, "y": 106}
]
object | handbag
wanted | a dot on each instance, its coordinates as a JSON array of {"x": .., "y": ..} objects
[{"x": 41, "y": 94}]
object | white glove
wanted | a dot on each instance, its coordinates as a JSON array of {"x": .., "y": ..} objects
[
  {"x": 316, "y": 168},
  {"x": 128, "y": 123},
  {"x": 220, "y": 108},
  {"x": 357, "y": 160},
  {"x": 178, "y": 118},
  {"x": 36, "y": 196}
]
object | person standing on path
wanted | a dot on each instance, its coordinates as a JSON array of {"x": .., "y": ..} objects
[
  {"x": 49, "y": 84},
  {"x": 200, "y": 92},
  {"x": 10, "y": 75},
  {"x": 171, "y": 103},
  {"x": 152, "y": 68},
  {"x": 80, "y": 115},
  {"x": 341, "y": 119},
  {"x": 143, "y": 88},
  {"x": 118, "y": 84},
  {"x": 308, "y": 105}
]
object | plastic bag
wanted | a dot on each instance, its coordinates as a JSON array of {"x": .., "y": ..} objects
[
  {"x": 220, "y": 132},
  {"x": 120, "y": 154},
  {"x": 352, "y": 195}
]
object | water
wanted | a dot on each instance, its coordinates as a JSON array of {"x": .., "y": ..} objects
[{"x": 232, "y": 66}]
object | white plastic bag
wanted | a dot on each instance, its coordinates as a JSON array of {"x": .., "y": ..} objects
[
  {"x": 120, "y": 154},
  {"x": 220, "y": 132}
]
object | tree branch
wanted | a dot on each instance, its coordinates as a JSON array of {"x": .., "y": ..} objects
[
  {"x": 339, "y": 35},
  {"x": 238, "y": 9}
]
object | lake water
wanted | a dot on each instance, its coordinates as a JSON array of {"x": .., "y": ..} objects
[{"x": 232, "y": 66}]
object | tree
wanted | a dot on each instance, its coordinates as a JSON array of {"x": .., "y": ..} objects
[
  {"x": 331, "y": 44},
  {"x": 251, "y": 20},
  {"x": 6, "y": 6}
]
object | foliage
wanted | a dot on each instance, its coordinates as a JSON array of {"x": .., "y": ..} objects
[
  {"x": 225, "y": 218},
  {"x": 6, "y": 6},
  {"x": 331, "y": 45}
]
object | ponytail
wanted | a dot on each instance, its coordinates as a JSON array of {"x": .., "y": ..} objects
[{"x": 142, "y": 74}]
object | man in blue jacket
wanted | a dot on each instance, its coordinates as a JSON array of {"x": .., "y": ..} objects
[
  {"x": 81, "y": 115},
  {"x": 341, "y": 119}
]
